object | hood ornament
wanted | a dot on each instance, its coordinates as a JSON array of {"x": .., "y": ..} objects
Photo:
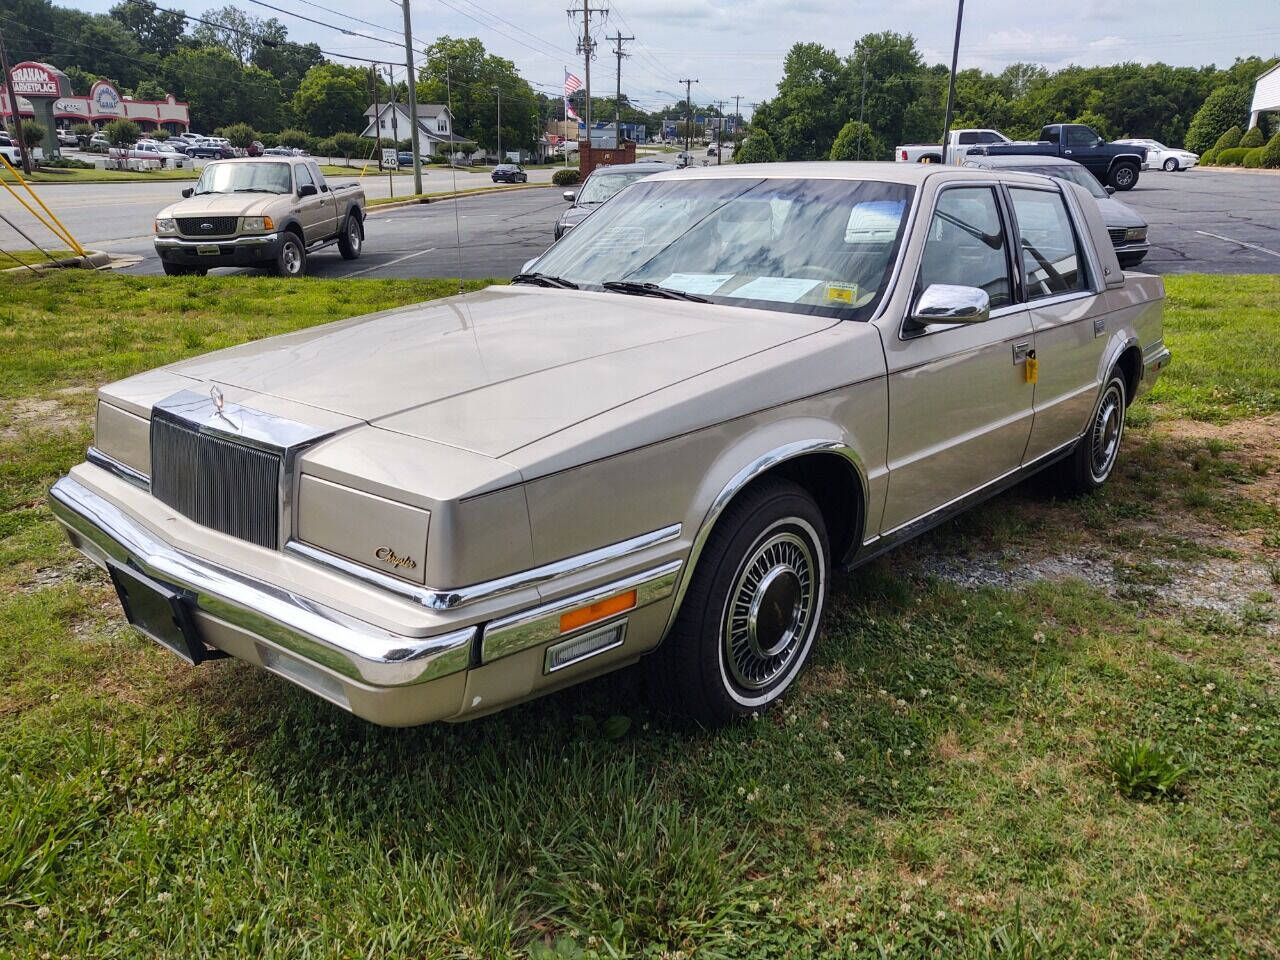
[{"x": 219, "y": 402}]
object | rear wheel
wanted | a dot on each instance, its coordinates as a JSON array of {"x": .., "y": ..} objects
[
  {"x": 1094, "y": 458},
  {"x": 351, "y": 240},
  {"x": 1124, "y": 176},
  {"x": 753, "y": 608}
]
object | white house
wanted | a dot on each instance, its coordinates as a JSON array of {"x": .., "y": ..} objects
[
  {"x": 1266, "y": 95},
  {"x": 435, "y": 127}
]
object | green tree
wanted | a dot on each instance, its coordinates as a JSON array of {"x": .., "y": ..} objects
[
  {"x": 149, "y": 89},
  {"x": 1226, "y": 106},
  {"x": 157, "y": 31},
  {"x": 1253, "y": 138},
  {"x": 349, "y": 145},
  {"x": 122, "y": 133},
  {"x": 221, "y": 91},
  {"x": 331, "y": 98},
  {"x": 802, "y": 120},
  {"x": 857, "y": 141},
  {"x": 83, "y": 132},
  {"x": 240, "y": 134},
  {"x": 327, "y": 148},
  {"x": 292, "y": 138},
  {"x": 32, "y": 134},
  {"x": 237, "y": 32},
  {"x": 757, "y": 148},
  {"x": 288, "y": 63},
  {"x": 464, "y": 66},
  {"x": 895, "y": 65}
]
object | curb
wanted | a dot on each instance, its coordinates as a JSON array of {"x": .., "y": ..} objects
[
  {"x": 1265, "y": 171},
  {"x": 93, "y": 260},
  {"x": 439, "y": 198}
]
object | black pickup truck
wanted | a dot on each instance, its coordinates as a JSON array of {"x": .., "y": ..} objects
[{"x": 1112, "y": 163}]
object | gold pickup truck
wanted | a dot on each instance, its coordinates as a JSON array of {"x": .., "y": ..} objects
[
  {"x": 259, "y": 212},
  {"x": 660, "y": 441}
]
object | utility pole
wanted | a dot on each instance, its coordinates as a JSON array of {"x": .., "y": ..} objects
[
  {"x": 498, "y": 90},
  {"x": 618, "y": 41},
  {"x": 688, "y": 112},
  {"x": 862, "y": 106},
  {"x": 587, "y": 47},
  {"x": 377, "y": 114},
  {"x": 719, "y": 131},
  {"x": 13, "y": 105},
  {"x": 951, "y": 86},
  {"x": 395, "y": 131},
  {"x": 412, "y": 96}
]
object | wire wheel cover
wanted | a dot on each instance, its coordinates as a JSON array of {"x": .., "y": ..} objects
[
  {"x": 1108, "y": 426},
  {"x": 770, "y": 610}
]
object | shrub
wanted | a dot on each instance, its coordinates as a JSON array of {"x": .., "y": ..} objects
[
  {"x": 1222, "y": 108},
  {"x": 1253, "y": 159},
  {"x": 326, "y": 148},
  {"x": 66, "y": 163},
  {"x": 347, "y": 144},
  {"x": 757, "y": 148},
  {"x": 32, "y": 134},
  {"x": 856, "y": 141},
  {"x": 122, "y": 133},
  {"x": 1230, "y": 138},
  {"x": 1271, "y": 152},
  {"x": 160, "y": 134},
  {"x": 240, "y": 134},
  {"x": 566, "y": 177},
  {"x": 83, "y": 132},
  {"x": 1252, "y": 138},
  {"x": 291, "y": 138},
  {"x": 1209, "y": 157},
  {"x": 1142, "y": 770},
  {"x": 1232, "y": 156}
]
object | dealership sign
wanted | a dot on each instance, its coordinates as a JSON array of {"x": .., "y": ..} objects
[
  {"x": 106, "y": 99},
  {"x": 35, "y": 80}
]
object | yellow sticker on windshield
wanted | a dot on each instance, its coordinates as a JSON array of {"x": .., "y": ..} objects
[{"x": 842, "y": 293}]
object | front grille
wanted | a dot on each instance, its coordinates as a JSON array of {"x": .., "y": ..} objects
[
  {"x": 222, "y": 484},
  {"x": 207, "y": 226},
  {"x": 1117, "y": 235}
]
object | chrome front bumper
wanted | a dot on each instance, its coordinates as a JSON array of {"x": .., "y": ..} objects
[
  {"x": 181, "y": 243},
  {"x": 381, "y": 675}
]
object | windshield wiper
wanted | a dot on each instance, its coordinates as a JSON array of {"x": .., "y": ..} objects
[
  {"x": 637, "y": 289},
  {"x": 544, "y": 280}
]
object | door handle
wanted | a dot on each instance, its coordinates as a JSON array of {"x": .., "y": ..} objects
[{"x": 1020, "y": 351}]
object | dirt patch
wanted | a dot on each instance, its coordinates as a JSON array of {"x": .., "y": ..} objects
[
  {"x": 65, "y": 410},
  {"x": 1184, "y": 558}
]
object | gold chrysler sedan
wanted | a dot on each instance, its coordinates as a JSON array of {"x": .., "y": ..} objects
[{"x": 660, "y": 441}]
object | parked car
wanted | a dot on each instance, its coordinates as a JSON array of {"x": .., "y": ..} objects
[
  {"x": 508, "y": 173},
  {"x": 602, "y": 184},
  {"x": 959, "y": 144},
  {"x": 712, "y": 152},
  {"x": 255, "y": 149},
  {"x": 13, "y": 153},
  {"x": 1114, "y": 164},
  {"x": 1125, "y": 226},
  {"x": 1160, "y": 157},
  {"x": 66, "y": 138},
  {"x": 151, "y": 150},
  {"x": 259, "y": 212},
  {"x": 98, "y": 143},
  {"x": 278, "y": 152},
  {"x": 212, "y": 149},
  {"x": 661, "y": 442},
  {"x": 405, "y": 158}
]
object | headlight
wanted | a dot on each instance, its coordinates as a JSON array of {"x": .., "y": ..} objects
[
  {"x": 123, "y": 436},
  {"x": 166, "y": 225},
  {"x": 259, "y": 223},
  {"x": 1135, "y": 234}
]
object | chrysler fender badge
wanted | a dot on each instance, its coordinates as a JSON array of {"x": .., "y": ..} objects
[{"x": 389, "y": 556}]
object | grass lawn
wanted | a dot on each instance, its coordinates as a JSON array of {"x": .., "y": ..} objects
[
  {"x": 959, "y": 775},
  {"x": 12, "y": 258},
  {"x": 53, "y": 175}
]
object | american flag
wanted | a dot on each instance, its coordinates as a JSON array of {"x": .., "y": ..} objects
[{"x": 571, "y": 84}]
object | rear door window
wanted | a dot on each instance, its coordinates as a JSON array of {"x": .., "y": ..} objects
[{"x": 1052, "y": 261}]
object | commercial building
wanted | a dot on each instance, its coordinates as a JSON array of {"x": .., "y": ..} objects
[
  {"x": 104, "y": 104},
  {"x": 1266, "y": 95}
]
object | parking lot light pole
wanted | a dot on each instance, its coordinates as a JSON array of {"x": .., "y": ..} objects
[
  {"x": 412, "y": 96},
  {"x": 951, "y": 86}
]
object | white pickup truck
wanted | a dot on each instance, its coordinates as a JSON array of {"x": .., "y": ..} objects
[
  {"x": 959, "y": 143},
  {"x": 9, "y": 149}
]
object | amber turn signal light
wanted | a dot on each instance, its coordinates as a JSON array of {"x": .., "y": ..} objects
[{"x": 592, "y": 612}]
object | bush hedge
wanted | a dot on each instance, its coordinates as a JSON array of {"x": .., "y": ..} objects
[
  {"x": 566, "y": 177},
  {"x": 1253, "y": 138},
  {"x": 1253, "y": 159},
  {"x": 1232, "y": 156},
  {"x": 1231, "y": 138},
  {"x": 1271, "y": 152},
  {"x": 1209, "y": 157}
]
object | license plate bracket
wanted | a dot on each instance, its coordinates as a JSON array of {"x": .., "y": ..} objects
[
  {"x": 208, "y": 249},
  {"x": 161, "y": 612}
]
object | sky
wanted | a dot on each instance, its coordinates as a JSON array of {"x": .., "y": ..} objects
[{"x": 736, "y": 47}]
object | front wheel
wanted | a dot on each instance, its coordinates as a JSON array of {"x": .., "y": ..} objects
[
  {"x": 351, "y": 240},
  {"x": 753, "y": 608},
  {"x": 1094, "y": 458},
  {"x": 1171, "y": 164},
  {"x": 1124, "y": 176},
  {"x": 291, "y": 261}
]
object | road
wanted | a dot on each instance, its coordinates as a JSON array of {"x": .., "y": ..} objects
[
  {"x": 1203, "y": 221},
  {"x": 1209, "y": 221}
]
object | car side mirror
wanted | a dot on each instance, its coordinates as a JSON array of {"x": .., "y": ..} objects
[
  {"x": 188, "y": 191},
  {"x": 1110, "y": 189},
  {"x": 570, "y": 196},
  {"x": 307, "y": 190},
  {"x": 948, "y": 303}
]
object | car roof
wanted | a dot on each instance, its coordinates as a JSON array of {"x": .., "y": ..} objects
[
  {"x": 906, "y": 173},
  {"x": 644, "y": 166},
  {"x": 1021, "y": 160}
]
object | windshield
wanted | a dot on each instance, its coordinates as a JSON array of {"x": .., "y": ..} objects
[
  {"x": 1073, "y": 174},
  {"x": 802, "y": 246},
  {"x": 245, "y": 178},
  {"x": 601, "y": 186}
]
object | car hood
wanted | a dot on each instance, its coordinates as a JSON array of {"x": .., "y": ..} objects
[
  {"x": 223, "y": 205},
  {"x": 575, "y": 215},
  {"x": 500, "y": 369},
  {"x": 1117, "y": 213}
]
